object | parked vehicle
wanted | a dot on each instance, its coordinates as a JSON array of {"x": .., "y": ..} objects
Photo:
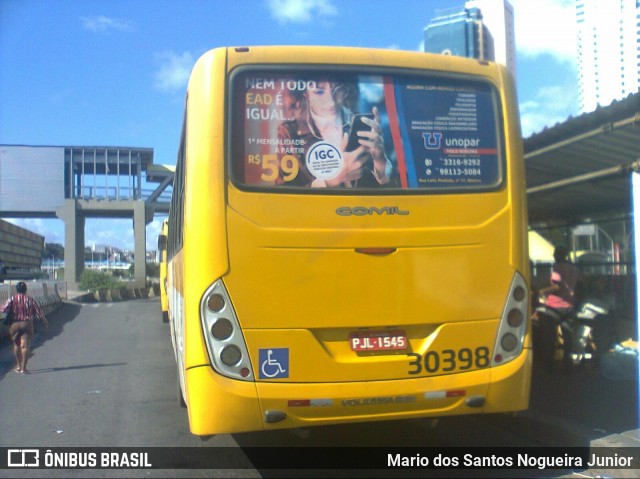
[{"x": 576, "y": 328}]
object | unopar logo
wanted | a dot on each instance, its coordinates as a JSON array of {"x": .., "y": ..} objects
[{"x": 364, "y": 211}]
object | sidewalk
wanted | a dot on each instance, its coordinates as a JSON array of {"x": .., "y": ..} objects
[{"x": 585, "y": 408}]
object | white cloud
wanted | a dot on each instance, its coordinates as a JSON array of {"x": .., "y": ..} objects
[
  {"x": 117, "y": 233},
  {"x": 546, "y": 27},
  {"x": 173, "y": 73},
  {"x": 301, "y": 11},
  {"x": 103, "y": 24},
  {"x": 551, "y": 105}
]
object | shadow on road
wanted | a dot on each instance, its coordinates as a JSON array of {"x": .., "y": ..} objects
[{"x": 86, "y": 366}]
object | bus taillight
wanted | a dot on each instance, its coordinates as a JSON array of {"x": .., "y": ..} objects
[
  {"x": 222, "y": 334},
  {"x": 513, "y": 324}
]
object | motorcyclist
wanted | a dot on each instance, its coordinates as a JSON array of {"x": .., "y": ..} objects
[{"x": 561, "y": 297}]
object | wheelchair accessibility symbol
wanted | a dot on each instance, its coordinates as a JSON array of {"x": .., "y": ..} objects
[{"x": 274, "y": 363}]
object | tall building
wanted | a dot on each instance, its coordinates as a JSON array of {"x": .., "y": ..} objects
[
  {"x": 460, "y": 33},
  {"x": 482, "y": 29},
  {"x": 608, "y": 50},
  {"x": 498, "y": 17}
]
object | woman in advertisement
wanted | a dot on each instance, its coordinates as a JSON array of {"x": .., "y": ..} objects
[{"x": 325, "y": 126}]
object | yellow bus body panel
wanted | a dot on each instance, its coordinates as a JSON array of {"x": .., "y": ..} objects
[
  {"x": 296, "y": 281},
  {"x": 205, "y": 245},
  {"x": 219, "y": 405}
]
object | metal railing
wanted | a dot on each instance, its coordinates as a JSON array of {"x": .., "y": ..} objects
[{"x": 119, "y": 193}]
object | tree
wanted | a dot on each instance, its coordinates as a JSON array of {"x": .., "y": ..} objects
[{"x": 95, "y": 280}]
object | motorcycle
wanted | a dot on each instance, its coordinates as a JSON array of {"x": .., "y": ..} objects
[{"x": 577, "y": 331}]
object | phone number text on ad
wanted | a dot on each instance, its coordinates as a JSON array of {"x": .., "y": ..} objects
[{"x": 460, "y": 171}]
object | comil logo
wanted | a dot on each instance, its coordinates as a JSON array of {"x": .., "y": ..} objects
[
  {"x": 364, "y": 211},
  {"x": 23, "y": 458}
]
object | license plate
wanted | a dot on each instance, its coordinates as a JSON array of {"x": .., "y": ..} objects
[{"x": 384, "y": 340}]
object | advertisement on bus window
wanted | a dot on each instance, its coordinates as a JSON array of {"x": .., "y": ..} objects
[{"x": 337, "y": 131}]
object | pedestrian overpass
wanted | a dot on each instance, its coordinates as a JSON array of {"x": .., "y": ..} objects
[{"x": 74, "y": 183}]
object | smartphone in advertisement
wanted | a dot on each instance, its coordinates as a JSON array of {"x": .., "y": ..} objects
[{"x": 356, "y": 126}]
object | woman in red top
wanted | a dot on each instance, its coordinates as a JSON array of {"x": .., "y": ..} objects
[
  {"x": 24, "y": 310},
  {"x": 560, "y": 296},
  {"x": 564, "y": 277}
]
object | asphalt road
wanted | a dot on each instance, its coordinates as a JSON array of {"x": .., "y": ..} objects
[{"x": 103, "y": 375}]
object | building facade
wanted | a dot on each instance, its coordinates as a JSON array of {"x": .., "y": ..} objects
[
  {"x": 497, "y": 16},
  {"x": 608, "y": 50},
  {"x": 460, "y": 33},
  {"x": 483, "y": 29},
  {"x": 20, "y": 249}
]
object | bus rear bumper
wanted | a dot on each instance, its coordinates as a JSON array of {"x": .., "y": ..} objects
[{"x": 219, "y": 405}]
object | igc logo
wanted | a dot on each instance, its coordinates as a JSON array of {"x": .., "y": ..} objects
[{"x": 324, "y": 160}]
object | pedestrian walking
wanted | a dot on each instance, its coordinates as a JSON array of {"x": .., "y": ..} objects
[{"x": 24, "y": 310}]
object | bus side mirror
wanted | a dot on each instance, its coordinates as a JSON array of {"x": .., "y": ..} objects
[{"x": 162, "y": 242}]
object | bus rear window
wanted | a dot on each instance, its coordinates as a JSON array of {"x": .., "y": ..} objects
[{"x": 310, "y": 129}]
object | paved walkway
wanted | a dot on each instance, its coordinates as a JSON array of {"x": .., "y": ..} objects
[{"x": 588, "y": 408}]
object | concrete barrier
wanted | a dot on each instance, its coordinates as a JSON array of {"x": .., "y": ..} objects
[
  {"x": 46, "y": 294},
  {"x": 115, "y": 294},
  {"x": 50, "y": 294},
  {"x": 61, "y": 287},
  {"x": 124, "y": 293},
  {"x": 144, "y": 293}
]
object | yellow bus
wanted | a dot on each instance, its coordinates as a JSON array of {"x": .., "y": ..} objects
[
  {"x": 162, "y": 251},
  {"x": 348, "y": 239}
]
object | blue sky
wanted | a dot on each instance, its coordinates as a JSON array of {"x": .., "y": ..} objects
[{"x": 114, "y": 72}]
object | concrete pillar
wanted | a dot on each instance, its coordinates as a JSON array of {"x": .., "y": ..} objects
[
  {"x": 74, "y": 213},
  {"x": 140, "y": 238},
  {"x": 74, "y": 223}
]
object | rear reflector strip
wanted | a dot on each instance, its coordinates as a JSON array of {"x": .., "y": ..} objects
[
  {"x": 309, "y": 402},
  {"x": 444, "y": 394}
]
